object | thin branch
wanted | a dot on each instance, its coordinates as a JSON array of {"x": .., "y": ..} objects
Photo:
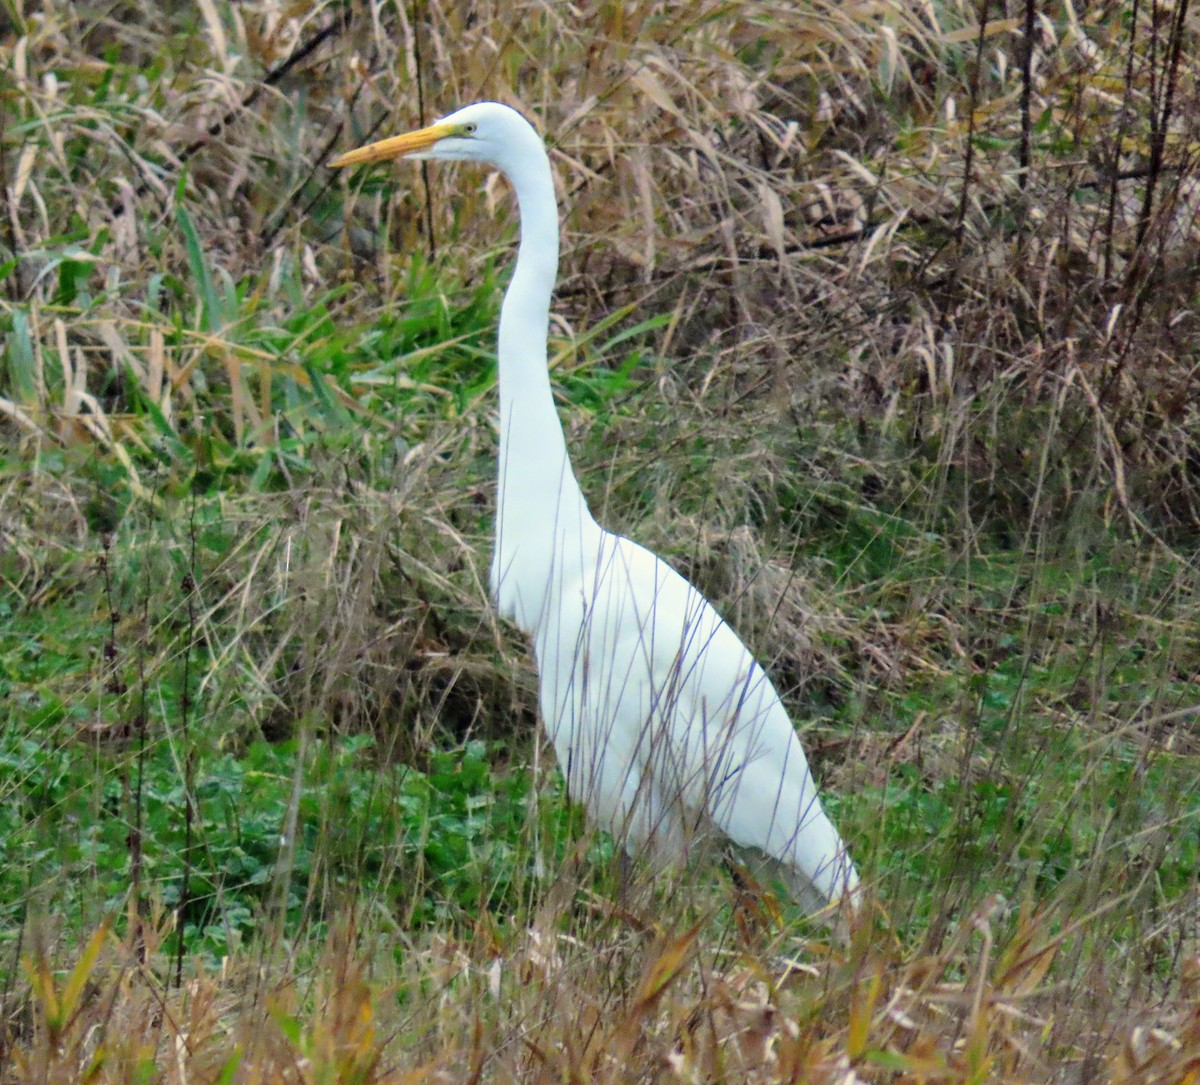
[
  {"x": 1122, "y": 124},
  {"x": 189, "y": 753},
  {"x": 1160, "y": 120},
  {"x": 419, "y": 61},
  {"x": 1023, "y": 160},
  {"x": 972, "y": 102}
]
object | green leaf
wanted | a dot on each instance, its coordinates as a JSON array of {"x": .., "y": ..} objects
[{"x": 196, "y": 261}]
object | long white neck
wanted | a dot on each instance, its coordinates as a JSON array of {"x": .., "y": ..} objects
[{"x": 540, "y": 504}]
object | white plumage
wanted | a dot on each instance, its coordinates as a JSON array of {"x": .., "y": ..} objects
[{"x": 664, "y": 725}]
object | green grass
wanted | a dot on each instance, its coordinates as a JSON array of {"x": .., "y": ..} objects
[{"x": 1024, "y": 744}]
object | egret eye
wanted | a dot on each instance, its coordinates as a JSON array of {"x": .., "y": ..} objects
[{"x": 468, "y": 129}]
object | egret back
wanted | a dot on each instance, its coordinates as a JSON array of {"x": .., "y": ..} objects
[{"x": 666, "y": 727}]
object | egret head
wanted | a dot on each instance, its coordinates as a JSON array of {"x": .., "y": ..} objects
[{"x": 484, "y": 132}]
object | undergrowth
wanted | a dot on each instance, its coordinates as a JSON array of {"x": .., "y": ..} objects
[{"x": 878, "y": 321}]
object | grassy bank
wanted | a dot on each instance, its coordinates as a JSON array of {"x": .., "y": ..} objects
[{"x": 876, "y": 323}]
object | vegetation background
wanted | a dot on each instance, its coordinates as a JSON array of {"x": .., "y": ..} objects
[{"x": 877, "y": 319}]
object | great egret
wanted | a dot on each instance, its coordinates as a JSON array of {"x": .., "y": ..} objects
[{"x": 664, "y": 725}]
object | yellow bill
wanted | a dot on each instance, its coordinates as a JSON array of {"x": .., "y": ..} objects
[{"x": 396, "y": 146}]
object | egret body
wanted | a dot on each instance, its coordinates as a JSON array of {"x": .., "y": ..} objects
[{"x": 664, "y": 725}]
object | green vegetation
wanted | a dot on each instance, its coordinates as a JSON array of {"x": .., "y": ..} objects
[{"x": 877, "y": 325}]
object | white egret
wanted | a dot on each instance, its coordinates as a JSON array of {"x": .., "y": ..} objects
[{"x": 664, "y": 725}]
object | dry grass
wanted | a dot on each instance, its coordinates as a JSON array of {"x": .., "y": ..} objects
[
  {"x": 919, "y": 411},
  {"x": 606, "y": 1003},
  {"x": 877, "y": 185}
]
